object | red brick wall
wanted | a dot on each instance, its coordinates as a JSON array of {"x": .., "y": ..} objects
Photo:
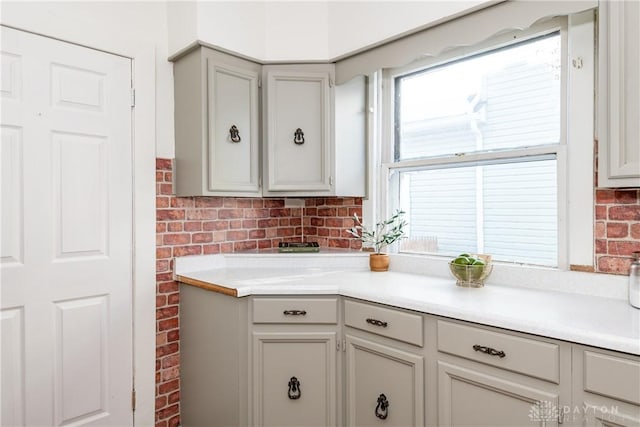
[
  {"x": 617, "y": 229},
  {"x": 210, "y": 225}
]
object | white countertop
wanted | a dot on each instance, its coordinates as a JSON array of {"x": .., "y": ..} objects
[{"x": 609, "y": 323}]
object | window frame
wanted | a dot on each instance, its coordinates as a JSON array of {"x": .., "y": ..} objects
[{"x": 574, "y": 153}]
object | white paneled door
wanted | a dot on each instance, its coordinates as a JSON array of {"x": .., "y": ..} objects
[{"x": 66, "y": 245}]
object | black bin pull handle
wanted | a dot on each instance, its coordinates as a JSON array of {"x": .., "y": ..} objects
[
  {"x": 294, "y": 392},
  {"x": 234, "y": 134},
  {"x": 298, "y": 137},
  {"x": 382, "y": 408}
]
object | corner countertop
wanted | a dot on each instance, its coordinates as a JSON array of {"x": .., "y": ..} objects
[{"x": 608, "y": 323}]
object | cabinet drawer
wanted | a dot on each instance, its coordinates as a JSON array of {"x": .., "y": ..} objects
[
  {"x": 612, "y": 376},
  {"x": 390, "y": 323},
  {"x": 530, "y": 357},
  {"x": 295, "y": 310}
]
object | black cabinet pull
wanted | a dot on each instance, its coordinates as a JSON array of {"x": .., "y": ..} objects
[
  {"x": 294, "y": 389},
  {"x": 376, "y": 322},
  {"x": 295, "y": 312},
  {"x": 490, "y": 351},
  {"x": 382, "y": 408},
  {"x": 298, "y": 137},
  {"x": 234, "y": 134}
]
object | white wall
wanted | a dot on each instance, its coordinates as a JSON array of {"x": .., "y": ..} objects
[
  {"x": 296, "y": 31},
  {"x": 235, "y": 25},
  {"x": 316, "y": 30},
  {"x": 182, "y": 24}
]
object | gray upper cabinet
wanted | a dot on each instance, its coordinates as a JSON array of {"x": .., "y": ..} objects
[
  {"x": 619, "y": 94},
  {"x": 239, "y": 124},
  {"x": 298, "y": 128},
  {"x": 314, "y": 132},
  {"x": 216, "y": 125}
]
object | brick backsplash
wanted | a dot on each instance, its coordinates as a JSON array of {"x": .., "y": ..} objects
[
  {"x": 210, "y": 225},
  {"x": 617, "y": 229}
]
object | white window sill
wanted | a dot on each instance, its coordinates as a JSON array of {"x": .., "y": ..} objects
[{"x": 542, "y": 278}]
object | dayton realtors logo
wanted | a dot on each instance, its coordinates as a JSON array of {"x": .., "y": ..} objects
[{"x": 547, "y": 411}]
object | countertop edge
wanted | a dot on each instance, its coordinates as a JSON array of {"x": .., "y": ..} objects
[
  {"x": 564, "y": 333},
  {"x": 208, "y": 286}
]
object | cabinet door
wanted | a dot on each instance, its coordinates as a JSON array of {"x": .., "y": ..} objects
[
  {"x": 298, "y": 131},
  {"x": 294, "y": 379},
  {"x": 471, "y": 397},
  {"x": 606, "y": 388},
  {"x": 213, "y": 92},
  {"x": 385, "y": 386},
  {"x": 619, "y": 94},
  {"x": 232, "y": 128},
  {"x": 606, "y": 413}
]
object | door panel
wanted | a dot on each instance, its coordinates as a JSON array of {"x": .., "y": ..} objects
[
  {"x": 80, "y": 196},
  {"x": 11, "y": 363},
  {"x": 66, "y": 233},
  {"x": 80, "y": 374},
  {"x": 233, "y": 101},
  {"x": 280, "y": 400},
  {"x": 11, "y": 174},
  {"x": 600, "y": 415},
  {"x": 470, "y": 398},
  {"x": 375, "y": 370},
  {"x": 298, "y": 100}
]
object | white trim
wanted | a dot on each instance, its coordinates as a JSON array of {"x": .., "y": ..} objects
[
  {"x": 574, "y": 153},
  {"x": 580, "y": 135},
  {"x": 144, "y": 222}
]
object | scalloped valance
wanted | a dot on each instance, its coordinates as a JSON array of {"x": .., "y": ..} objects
[{"x": 464, "y": 31}]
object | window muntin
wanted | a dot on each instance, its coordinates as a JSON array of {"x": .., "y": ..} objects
[{"x": 450, "y": 115}]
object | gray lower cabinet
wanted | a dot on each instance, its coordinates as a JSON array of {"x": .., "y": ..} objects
[
  {"x": 214, "y": 356},
  {"x": 384, "y": 365},
  {"x": 487, "y": 377},
  {"x": 606, "y": 388},
  {"x": 294, "y": 369},
  {"x": 329, "y": 361},
  {"x": 384, "y": 385}
]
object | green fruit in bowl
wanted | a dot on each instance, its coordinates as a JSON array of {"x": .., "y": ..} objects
[{"x": 462, "y": 260}]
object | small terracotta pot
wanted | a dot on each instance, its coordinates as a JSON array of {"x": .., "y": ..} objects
[{"x": 379, "y": 262}]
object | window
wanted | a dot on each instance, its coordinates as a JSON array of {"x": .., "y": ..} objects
[{"x": 476, "y": 152}]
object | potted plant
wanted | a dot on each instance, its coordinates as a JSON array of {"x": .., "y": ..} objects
[{"x": 383, "y": 234}]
